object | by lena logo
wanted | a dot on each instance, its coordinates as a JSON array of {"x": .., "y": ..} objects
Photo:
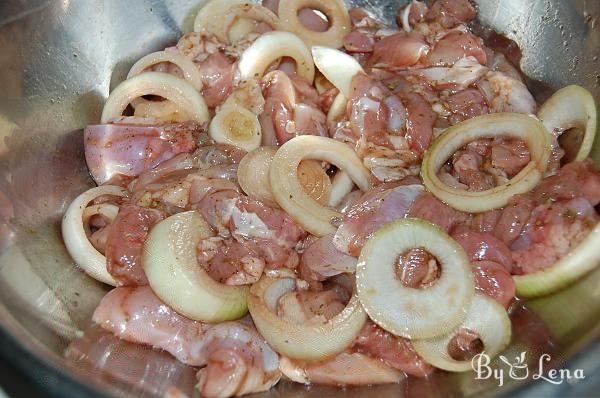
[{"x": 519, "y": 370}]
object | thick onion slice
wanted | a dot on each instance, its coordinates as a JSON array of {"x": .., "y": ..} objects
[
  {"x": 485, "y": 317},
  {"x": 315, "y": 181},
  {"x": 512, "y": 125},
  {"x": 572, "y": 107},
  {"x": 414, "y": 313},
  {"x": 253, "y": 174},
  {"x": 578, "y": 262},
  {"x": 341, "y": 186},
  {"x": 288, "y": 190},
  {"x": 309, "y": 341},
  {"x": 190, "y": 72},
  {"x": 335, "y": 11},
  {"x": 338, "y": 108},
  {"x": 338, "y": 67},
  {"x": 253, "y": 177},
  {"x": 164, "y": 85},
  {"x": 270, "y": 47},
  {"x": 78, "y": 245},
  {"x": 173, "y": 272},
  {"x": 237, "y": 126},
  {"x": 220, "y": 17}
]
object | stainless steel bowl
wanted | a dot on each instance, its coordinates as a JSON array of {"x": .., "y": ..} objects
[{"x": 58, "y": 60}]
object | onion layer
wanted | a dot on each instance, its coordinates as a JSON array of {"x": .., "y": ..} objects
[
  {"x": 335, "y": 11},
  {"x": 578, "y": 262},
  {"x": 270, "y": 47},
  {"x": 338, "y": 108},
  {"x": 173, "y": 272},
  {"x": 165, "y": 85},
  {"x": 338, "y": 67},
  {"x": 485, "y": 317},
  {"x": 253, "y": 177},
  {"x": 78, "y": 245},
  {"x": 190, "y": 72},
  {"x": 237, "y": 126},
  {"x": 310, "y": 341},
  {"x": 290, "y": 194},
  {"x": 571, "y": 107},
  {"x": 253, "y": 174},
  {"x": 512, "y": 125},
  {"x": 404, "y": 311},
  {"x": 341, "y": 186},
  {"x": 219, "y": 17},
  {"x": 161, "y": 110}
]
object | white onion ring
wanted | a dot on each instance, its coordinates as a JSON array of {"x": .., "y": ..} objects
[
  {"x": 237, "y": 126},
  {"x": 173, "y": 272},
  {"x": 335, "y": 11},
  {"x": 341, "y": 186},
  {"x": 571, "y": 107},
  {"x": 253, "y": 174},
  {"x": 309, "y": 341},
  {"x": 485, "y": 317},
  {"x": 165, "y": 85},
  {"x": 217, "y": 17},
  {"x": 271, "y": 46},
  {"x": 513, "y": 125},
  {"x": 338, "y": 67},
  {"x": 578, "y": 262},
  {"x": 290, "y": 194},
  {"x": 161, "y": 110},
  {"x": 78, "y": 245},
  {"x": 338, "y": 109},
  {"x": 190, "y": 72},
  {"x": 405, "y": 311}
]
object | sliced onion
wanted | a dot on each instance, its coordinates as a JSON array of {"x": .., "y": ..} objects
[
  {"x": 309, "y": 341},
  {"x": 253, "y": 177},
  {"x": 175, "y": 276},
  {"x": 253, "y": 174},
  {"x": 512, "y": 125},
  {"x": 571, "y": 107},
  {"x": 341, "y": 186},
  {"x": 219, "y": 17},
  {"x": 165, "y": 85},
  {"x": 190, "y": 72},
  {"x": 290, "y": 194},
  {"x": 337, "y": 110},
  {"x": 335, "y": 11},
  {"x": 404, "y": 311},
  {"x": 338, "y": 67},
  {"x": 237, "y": 126},
  {"x": 270, "y": 47},
  {"x": 78, "y": 245},
  {"x": 485, "y": 317},
  {"x": 578, "y": 262},
  {"x": 314, "y": 181}
]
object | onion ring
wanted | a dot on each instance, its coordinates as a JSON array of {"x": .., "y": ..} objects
[
  {"x": 337, "y": 110},
  {"x": 218, "y": 16},
  {"x": 190, "y": 72},
  {"x": 405, "y": 311},
  {"x": 74, "y": 235},
  {"x": 338, "y": 67},
  {"x": 170, "y": 263},
  {"x": 341, "y": 186},
  {"x": 485, "y": 317},
  {"x": 513, "y": 125},
  {"x": 165, "y": 85},
  {"x": 290, "y": 194},
  {"x": 271, "y": 46},
  {"x": 310, "y": 341},
  {"x": 578, "y": 262},
  {"x": 237, "y": 126},
  {"x": 571, "y": 107},
  {"x": 335, "y": 11}
]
